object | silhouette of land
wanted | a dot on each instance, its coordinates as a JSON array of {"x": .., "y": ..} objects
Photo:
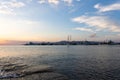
[{"x": 74, "y": 43}]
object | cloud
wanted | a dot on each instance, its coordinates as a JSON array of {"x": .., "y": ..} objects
[
  {"x": 84, "y": 29},
  {"x": 98, "y": 22},
  {"x": 112, "y": 7},
  {"x": 93, "y": 35},
  {"x": 13, "y": 4},
  {"x": 56, "y": 2},
  {"x": 42, "y": 1},
  {"x": 7, "y": 7},
  {"x": 6, "y": 10},
  {"x": 29, "y": 0},
  {"x": 69, "y": 2}
]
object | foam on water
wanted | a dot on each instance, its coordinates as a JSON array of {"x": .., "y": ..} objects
[
  {"x": 10, "y": 70},
  {"x": 4, "y": 74},
  {"x": 13, "y": 68}
]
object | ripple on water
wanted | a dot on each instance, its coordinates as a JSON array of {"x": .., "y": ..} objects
[
  {"x": 15, "y": 69},
  {"x": 10, "y": 70}
]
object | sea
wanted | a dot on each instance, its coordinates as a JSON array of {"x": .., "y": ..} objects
[{"x": 79, "y": 62}]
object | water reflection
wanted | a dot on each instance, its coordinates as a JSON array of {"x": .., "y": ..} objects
[{"x": 76, "y": 62}]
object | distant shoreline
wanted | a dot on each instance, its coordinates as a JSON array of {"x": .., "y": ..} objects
[{"x": 74, "y": 43}]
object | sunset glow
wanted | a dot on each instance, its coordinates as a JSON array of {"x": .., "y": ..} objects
[{"x": 52, "y": 20}]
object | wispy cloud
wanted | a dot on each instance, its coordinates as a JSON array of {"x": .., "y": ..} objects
[
  {"x": 69, "y": 2},
  {"x": 7, "y": 7},
  {"x": 98, "y": 22},
  {"x": 93, "y": 35},
  {"x": 42, "y": 1},
  {"x": 6, "y": 10},
  {"x": 112, "y": 7},
  {"x": 84, "y": 29},
  {"x": 56, "y": 2},
  {"x": 29, "y": 0}
]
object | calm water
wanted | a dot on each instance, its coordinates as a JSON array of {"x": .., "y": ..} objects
[{"x": 76, "y": 62}]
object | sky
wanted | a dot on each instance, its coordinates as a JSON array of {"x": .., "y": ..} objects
[{"x": 54, "y": 20}]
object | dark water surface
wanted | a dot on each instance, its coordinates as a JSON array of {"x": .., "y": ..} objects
[{"x": 76, "y": 62}]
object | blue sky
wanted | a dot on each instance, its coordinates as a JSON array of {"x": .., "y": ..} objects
[{"x": 53, "y": 20}]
